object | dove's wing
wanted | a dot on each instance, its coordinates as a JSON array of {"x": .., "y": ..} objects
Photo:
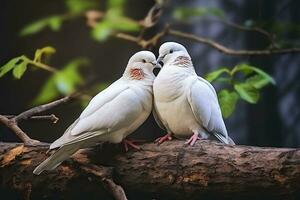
[
  {"x": 104, "y": 96},
  {"x": 204, "y": 103},
  {"x": 111, "y": 110}
]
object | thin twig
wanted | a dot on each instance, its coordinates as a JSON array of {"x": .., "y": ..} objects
[
  {"x": 145, "y": 44},
  {"x": 229, "y": 51},
  {"x": 51, "y": 117},
  {"x": 40, "y": 65},
  {"x": 12, "y": 122},
  {"x": 43, "y": 66},
  {"x": 42, "y": 108},
  {"x": 268, "y": 35}
]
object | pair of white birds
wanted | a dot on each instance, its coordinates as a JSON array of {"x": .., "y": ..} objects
[{"x": 184, "y": 105}]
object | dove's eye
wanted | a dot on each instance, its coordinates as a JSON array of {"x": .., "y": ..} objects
[
  {"x": 144, "y": 61},
  {"x": 171, "y": 51}
]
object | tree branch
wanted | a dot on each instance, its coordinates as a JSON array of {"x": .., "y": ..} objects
[
  {"x": 145, "y": 44},
  {"x": 209, "y": 170},
  {"x": 229, "y": 51},
  {"x": 54, "y": 119},
  {"x": 13, "y": 126},
  {"x": 11, "y": 121},
  {"x": 103, "y": 173},
  {"x": 271, "y": 37},
  {"x": 42, "y": 108}
]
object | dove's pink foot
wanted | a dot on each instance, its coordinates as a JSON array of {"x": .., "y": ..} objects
[
  {"x": 130, "y": 143},
  {"x": 193, "y": 139},
  {"x": 164, "y": 138}
]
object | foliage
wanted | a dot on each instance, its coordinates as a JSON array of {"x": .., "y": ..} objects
[
  {"x": 18, "y": 65},
  {"x": 247, "y": 89},
  {"x": 185, "y": 13},
  {"x": 54, "y": 22},
  {"x": 63, "y": 82},
  {"x": 112, "y": 21},
  {"x": 79, "y": 6}
]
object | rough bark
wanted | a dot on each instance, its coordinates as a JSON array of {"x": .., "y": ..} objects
[{"x": 172, "y": 170}]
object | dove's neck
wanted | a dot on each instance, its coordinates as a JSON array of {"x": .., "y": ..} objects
[
  {"x": 180, "y": 59},
  {"x": 139, "y": 75},
  {"x": 175, "y": 71},
  {"x": 180, "y": 63}
]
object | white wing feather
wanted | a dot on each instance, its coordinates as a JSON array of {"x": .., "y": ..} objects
[
  {"x": 204, "y": 103},
  {"x": 115, "y": 107}
]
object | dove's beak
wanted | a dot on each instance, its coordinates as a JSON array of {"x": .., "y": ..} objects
[
  {"x": 154, "y": 63},
  {"x": 160, "y": 61},
  {"x": 157, "y": 68}
]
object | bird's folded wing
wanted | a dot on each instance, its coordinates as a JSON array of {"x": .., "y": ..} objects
[
  {"x": 204, "y": 104},
  {"x": 118, "y": 109},
  {"x": 103, "y": 97}
]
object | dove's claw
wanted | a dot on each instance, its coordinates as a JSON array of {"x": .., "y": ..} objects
[
  {"x": 193, "y": 139},
  {"x": 128, "y": 143},
  {"x": 164, "y": 138}
]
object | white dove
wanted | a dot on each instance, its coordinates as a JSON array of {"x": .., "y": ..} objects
[
  {"x": 184, "y": 103},
  {"x": 112, "y": 114}
]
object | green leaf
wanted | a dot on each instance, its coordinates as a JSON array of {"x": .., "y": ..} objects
[
  {"x": 33, "y": 27},
  {"x": 48, "y": 50},
  {"x": 78, "y": 6},
  {"x": 20, "y": 69},
  {"x": 247, "y": 92},
  {"x": 258, "y": 81},
  {"x": 247, "y": 69},
  {"x": 9, "y": 66},
  {"x": 54, "y": 22},
  {"x": 264, "y": 75},
  {"x": 243, "y": 67},
  {"x": 47, "y": 93},
  {"x": 115, "y": 3},
  {"x": 62, "y": 82},
  {"x": 215, "y": 74},
  {"x": 102, "y": 31},
  {"x": 227, "y": 102},
  {"x": 224, "y": 80},
  {"x": 124, "y": 24},
  {"x": 67, "y": 79},
  {"x": 185, "y": 13},
  {"x": 115, "y": 8},
  {"x": 110, "y": 25}
]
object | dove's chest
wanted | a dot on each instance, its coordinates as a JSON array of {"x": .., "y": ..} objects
[
  {"x": 169, "y": 85},
  {"x": 170, "y": 96}
]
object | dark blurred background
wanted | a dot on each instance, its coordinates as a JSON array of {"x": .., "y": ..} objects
[{"x": 273, "y": 121}]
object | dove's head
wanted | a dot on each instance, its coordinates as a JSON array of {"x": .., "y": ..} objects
[
  {"x": 169, "y": 51},
  {"x": 140, "y": 66}
]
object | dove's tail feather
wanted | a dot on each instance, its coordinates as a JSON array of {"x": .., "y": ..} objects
[
  {"x": 67, "y": 150},
  {"x": 231, "y": 142},
  {"x": 56, "y": 158},
  {"x": 223, "y": 139}
]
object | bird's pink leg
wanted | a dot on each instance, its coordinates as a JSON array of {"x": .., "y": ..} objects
[
  {"x": 129, "y": 143},
  {"x": 193, "y": 139},
  {"x": 164, "y": 138}
]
